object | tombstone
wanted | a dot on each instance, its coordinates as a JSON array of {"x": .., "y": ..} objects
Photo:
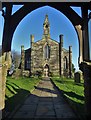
[{"x": 77, "y": 77}]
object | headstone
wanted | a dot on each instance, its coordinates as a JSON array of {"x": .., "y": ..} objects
[{"x": 77, "y": 77}]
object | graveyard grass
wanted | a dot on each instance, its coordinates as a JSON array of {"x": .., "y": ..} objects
[
  {"x": 17, "y": 90},
  {"x": 73, "y": 92}
]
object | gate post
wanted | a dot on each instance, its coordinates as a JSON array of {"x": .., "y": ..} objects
[
  {"x": 6, "y": 53},
  {"x": 85, "y": 66}
]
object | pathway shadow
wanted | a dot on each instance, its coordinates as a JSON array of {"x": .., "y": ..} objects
[
  {"x": 46, "y": 90},
  {"x": 71, "y": 94},
  {"x": 10, "y": 103},
  {"x": 74, "y": 95}
]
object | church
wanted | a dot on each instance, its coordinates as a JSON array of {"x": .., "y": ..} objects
[{"x": 47, "y": 56}]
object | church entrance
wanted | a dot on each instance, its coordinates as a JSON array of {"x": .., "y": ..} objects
[{"x": 46, "y": 70}]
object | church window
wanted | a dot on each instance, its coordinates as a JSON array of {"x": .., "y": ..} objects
[
  {"x": 28, "y": 64},
  {"x": 47, "y": 52}
]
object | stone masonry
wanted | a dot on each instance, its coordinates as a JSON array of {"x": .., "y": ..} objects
[{"x": 48, "y": 56}]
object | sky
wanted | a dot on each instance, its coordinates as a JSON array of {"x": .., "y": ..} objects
[{"x": 33, "y": 24}]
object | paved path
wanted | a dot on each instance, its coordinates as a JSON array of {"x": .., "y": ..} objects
[{"x": 44, "y": 102}]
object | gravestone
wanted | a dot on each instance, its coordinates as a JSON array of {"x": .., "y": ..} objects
[{"x": 77, "y": 77}]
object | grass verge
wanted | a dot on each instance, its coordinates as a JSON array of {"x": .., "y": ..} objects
[
  {"x": 73, "y": 92},
  {"x": 17, "y": 90}
]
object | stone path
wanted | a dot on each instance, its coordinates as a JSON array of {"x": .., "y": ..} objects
[{"x": 44, "y": 102}]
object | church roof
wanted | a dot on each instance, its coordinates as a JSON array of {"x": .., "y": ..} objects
[
  {"x": 65, "y": 50},
  {"x": 27, "y": 50},
  {"x": 49, "y": 38},
  {"x": 54, "y": 40}
]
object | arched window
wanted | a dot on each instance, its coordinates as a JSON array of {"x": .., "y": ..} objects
[
  {"x": 28, "y": 63},
  {"x": 47, "y": 52}
]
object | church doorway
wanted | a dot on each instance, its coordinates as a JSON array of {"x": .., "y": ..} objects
[{"x": 46, "y": 70}]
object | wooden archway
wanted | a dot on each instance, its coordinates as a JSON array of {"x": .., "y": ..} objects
[
  {"x": 80, "y": 24},
  {"x": 12, "y": 21}
]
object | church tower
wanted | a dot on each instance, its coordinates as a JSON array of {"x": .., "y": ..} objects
[{"x": 46, "y": 27}]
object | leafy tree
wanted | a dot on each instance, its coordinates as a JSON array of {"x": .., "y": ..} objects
[
  {"x": 16, "y": 58},
  {"x": 73, "y": 68}
]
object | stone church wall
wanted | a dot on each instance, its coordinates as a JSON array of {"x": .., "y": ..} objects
[
  {"x": 54, "y": 57},
  {"x": 38, "y": 57},
  {"x": 47, "y": 56},
  {"x": 66, "y": 54}
]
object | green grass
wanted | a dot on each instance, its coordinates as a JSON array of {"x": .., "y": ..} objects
[
  {"x": 17, "y": 90},
  {"x": 74, "y": 93}
]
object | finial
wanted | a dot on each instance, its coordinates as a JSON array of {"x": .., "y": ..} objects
[
  {"x": 46, "y": 19},
  {"x": 47, "y": 15}
]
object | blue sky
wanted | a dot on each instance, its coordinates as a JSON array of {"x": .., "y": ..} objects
[{"x": 33, "y": 24}]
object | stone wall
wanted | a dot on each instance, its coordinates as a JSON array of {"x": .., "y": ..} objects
[
  {"x": 38, "y": 59},
  {"x": 66, "y": 55},
  {"x": 17, "y": 73},
  {"x": 70, "y": 61},
  {"x": 5, "y": 64},
  {"x": 55, "y": 62},
  {"x": 22, "y": 59}
]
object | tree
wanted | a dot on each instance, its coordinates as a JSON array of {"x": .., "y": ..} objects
[
  {"x": 16, "y": 58},
  {"x": 73, "y": 68}
]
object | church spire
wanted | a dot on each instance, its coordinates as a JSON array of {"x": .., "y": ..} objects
[
  {"x": 46, "y": 26},
  {"x": 46, "y": 19}
]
